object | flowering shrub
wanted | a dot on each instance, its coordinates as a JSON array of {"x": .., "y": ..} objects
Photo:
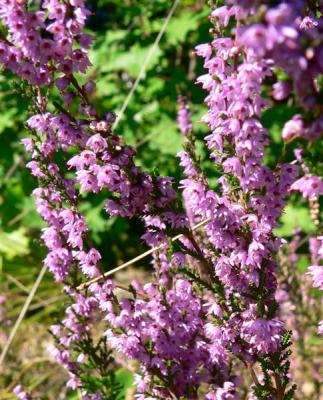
[{"x": 215, "y": 305}]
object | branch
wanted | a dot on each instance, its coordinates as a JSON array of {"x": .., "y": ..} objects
[{"x": 138, "y": 258}]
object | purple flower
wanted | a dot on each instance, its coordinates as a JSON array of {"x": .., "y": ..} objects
[
  {"x": 204, "y": 50},
  {"x": 257, "y": 38},
  {"x": 310, "y": 186},
  {"x": 223, "y": 14},
  {"x": 226, "y": 392},
  {"x": 316, "y": 272},
  {"x": 184, "y": 117},
  {"x": 281, "y": 90},
  {"x": 97, "y": 143},
  {"x": 21, "y": 393},
  {"x": 293, "y": 128},
  {"x": 320, "y": 328},
  {"x": 59, "y": 262},
  {"x": 35, "y": 169},
  {"x": 263, "y": 335},
  {"x": 308, "y": 23},
  {"x": 73, "y": 382},
  {"x": 89, "y": 262}
]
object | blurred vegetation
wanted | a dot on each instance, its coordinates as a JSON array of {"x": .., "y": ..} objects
[{"x": 124, "y": 32}]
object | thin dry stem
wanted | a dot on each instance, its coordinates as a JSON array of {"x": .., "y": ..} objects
[
  {"x": 145, "y": 65},
  {"x": 22, "y": 314},
  {"x": 138, "y": 258}
]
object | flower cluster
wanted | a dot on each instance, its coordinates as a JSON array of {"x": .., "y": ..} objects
[
  {"x": 108, "y": 164},
  {"x": 164, "y": 330},
  {"x": 103, "y": 161},
  {"x": 47, "y": 36},
  {"x": 244, "y": 216},
  {"x": 294, "y": 44}
]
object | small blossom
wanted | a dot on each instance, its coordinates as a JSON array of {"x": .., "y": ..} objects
[
  {"x": 293, "y": 128},
  {"x": 310, "y": 186}
]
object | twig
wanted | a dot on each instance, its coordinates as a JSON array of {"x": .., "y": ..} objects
[
  {"x": 82, "y": 92},
  {"x": 138, "y": 258},
  {"x": 254, "y": 376},
  {"x": 63, "y": 110},
  {"x": 147, "y": 139},
  {"x": 22, "y": 314},
  {"x": 12, "y": 169},
  {"x": 23, "y": 287},
  {"x": 140, "y": 294},
  {"x": 145, "y": 65},
  {"x": 20, "y": 216},
  {"x": 46, "y": 303},
  {"x": 26, "y": 367}
]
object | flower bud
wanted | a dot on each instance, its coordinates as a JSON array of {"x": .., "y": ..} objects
[
  {"x": 281, "y": 90},
  {"x": 293, "y": 128}
]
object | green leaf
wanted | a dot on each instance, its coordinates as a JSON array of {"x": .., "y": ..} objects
[
  {"x": 303, "y": 263},
  {"x": 7, "y": 119},
  {"x": 14, "y": 243},
  {"x": 294, "y": 217},
  {"x": 125, "y": 378},
  {"x": 165, "y": 138},
  {"x": 179, "y": 27},
  {"x": 130, "y": 61}
]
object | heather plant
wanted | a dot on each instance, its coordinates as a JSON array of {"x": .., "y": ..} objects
[{"x": 210, "y": 322}]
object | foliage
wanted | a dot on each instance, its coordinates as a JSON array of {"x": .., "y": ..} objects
[{"x": 124, "y": 32}]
